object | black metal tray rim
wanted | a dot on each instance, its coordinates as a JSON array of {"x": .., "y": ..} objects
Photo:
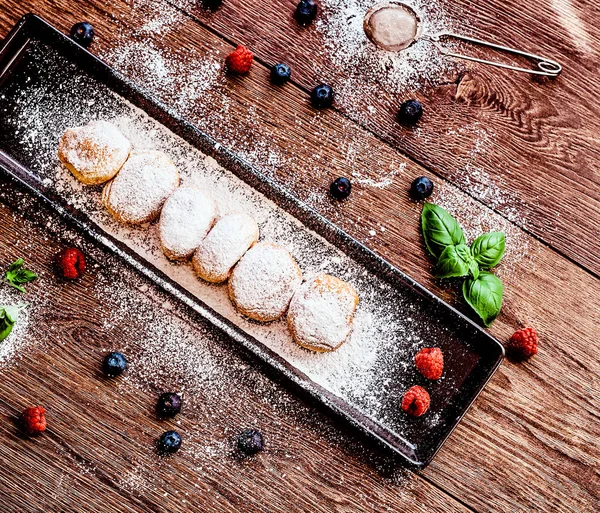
[{"x": 31, "y": 26}]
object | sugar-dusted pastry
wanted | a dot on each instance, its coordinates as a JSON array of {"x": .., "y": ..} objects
[
  {"x": 263, "y": 282},
  {"x": 321, "y": 313},
  {"x": 94, "y": 153},
  {"x": 138, "y": 192},
  {"x": 186, "y": 218},
  {"x": 224, "y": 245}
]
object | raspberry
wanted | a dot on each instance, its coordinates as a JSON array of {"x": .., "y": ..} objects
[
  {"x": 70, "y": 264},
  {"x": 430, "y": 362},
  {"x": 240, "y": 60},
  {"x": 33, "y": 420},
  {"x": 523, "y": 344},
  {"x": 416, "y": 401}
]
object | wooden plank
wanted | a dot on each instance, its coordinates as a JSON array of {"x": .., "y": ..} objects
[
  {"x": 98, "y": 455},
  {"x": 540, "y": 288},
  {"x": 539, "y": 138}
]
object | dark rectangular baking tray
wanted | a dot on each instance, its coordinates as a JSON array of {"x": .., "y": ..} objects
[{"x": 415, "y": 451}]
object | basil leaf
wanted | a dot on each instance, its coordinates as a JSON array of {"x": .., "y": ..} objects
[
  {"x": 440, "y": 229},
  {"x": 454, "y": 261},
  {"x": 15, "y": 266},
  {"x": 484, "y": 295},
  {"x": 5, "y": 330},
  {"x": 474, "y": 269},
  {"x": 488, "y": 249},
  {"x": 11, "y": 313},
  {"x": 25, "y": 276}
]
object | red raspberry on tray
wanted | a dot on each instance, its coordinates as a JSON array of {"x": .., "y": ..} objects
[
  {"x": 523, "y": 344},
  {"x": 430, "y": 362},
  {"x": 70, "y": 264},
  {"x": 416, "y": 401},
  {"x": 240, "y": 60},
  {"x": 33, "y": 420}
]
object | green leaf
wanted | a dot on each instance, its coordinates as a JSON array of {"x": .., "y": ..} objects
[
  {"x": 474, "y": 269},
  {"x": 454, "y": 261},
  {"x": 440, "y": 229},
  {"x": 16, "y": 265},
  {"x": 17, "y": 276},
  {"x": 484, "y": 295},
  {"x": 488, "y": 249},
  {"x": 5, "y": 330},
  {"x": 8, "y": 316}
]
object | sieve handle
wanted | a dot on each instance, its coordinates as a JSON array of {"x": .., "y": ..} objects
[{"x": 546, "y": 67}]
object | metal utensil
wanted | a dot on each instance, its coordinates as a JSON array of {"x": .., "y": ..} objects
[{"x": 394, "y": 26}]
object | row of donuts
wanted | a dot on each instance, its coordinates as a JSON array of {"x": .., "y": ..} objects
[{"x": 264, "y": 279}]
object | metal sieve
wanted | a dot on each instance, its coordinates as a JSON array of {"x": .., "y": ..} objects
[{"x": 394, "y": 26}]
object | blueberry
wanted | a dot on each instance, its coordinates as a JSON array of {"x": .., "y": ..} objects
[
  {"x": 340, "y": 188},
  {"x": 250, "y": 441},
  {"x": 114, "y": 364},
  {"x": 169, "y": 405},
  {"x": 212, "y": 5},
  {"x": 169, "y": 442},
  {"x": 322, "y": 96},
  {"x": 280, "y": 74},
  {"x": 306, "y": 12},
  {"x": 82, "y": 33},
  {"x": 421, "y": 188},
  {"x": 410, "y": 112}
]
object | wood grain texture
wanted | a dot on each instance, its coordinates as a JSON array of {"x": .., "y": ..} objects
[
  {"x": 545, "y": 132},
  {"x": 535, "y": 423},
  {"x": 98, "y": 452}
]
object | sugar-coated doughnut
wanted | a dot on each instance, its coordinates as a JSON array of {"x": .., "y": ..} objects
[
  {"x": 224, "y": 245},
  {"x": 94, "y": 153},
  {"x": 321, "y": 313},
  {"x": 138, "y": 192},
  {"x": 186, "y": 218},
  {"x": 263, "y": 282}
]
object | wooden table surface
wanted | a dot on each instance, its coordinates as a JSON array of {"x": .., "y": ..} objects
[{"x": 531, "y": 442}]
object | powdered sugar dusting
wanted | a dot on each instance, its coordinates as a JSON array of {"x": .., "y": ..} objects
[{"x": 367, "y": 69}]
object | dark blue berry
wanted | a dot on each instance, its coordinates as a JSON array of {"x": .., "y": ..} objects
[
  {"x": 212, "y": 5},
  {"x": 169, "y": 442},
  {"x": 250, "y": 442},
  {"x": 168, "y": 405},
  {"x": 306, "y": 12},
  {"x": 421, "y": 188},
  {"x": 82, "y": 33},
  {"x": 410, "y": 112},
  {"x": 322, "y": 96},
  {"x": 114, "y": 364},
  {"x": 340, "y": 188},
  {"x": 280, "y": 74}
]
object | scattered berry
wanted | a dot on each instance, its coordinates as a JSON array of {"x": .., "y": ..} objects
[
  {"x": 212, "y": 5},
  {"x": 280, "y": 74},
  {"x": 421, "y": 188},
  {"x": 169, "y": 442},
  {"x": 416, "y": 401},
  {"x": 306, "y": 12},
  {"x": 82, "y": 33},
  {"x": 114, "y": 364},
  {"x": 322, "y": 96},
  {"x": 169, "y": 405},
  {"x": 250, "y": 441},
  {"x": 70, "y": 264},
  {"x": 410, "y": 112},
  {"x": 33, "y": 420},
  {"x": 523, "y": 344},
  {"x": 240, "y": 60},
  {"x": 430, "y": 362},
  {"x": 340, "y": 188}
]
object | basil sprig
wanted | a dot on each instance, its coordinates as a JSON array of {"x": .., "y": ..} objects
[
  {"x": 8, "y": 317},
  {"x": 445, "y": 240},
  {"x": 17, "y": 275}
]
